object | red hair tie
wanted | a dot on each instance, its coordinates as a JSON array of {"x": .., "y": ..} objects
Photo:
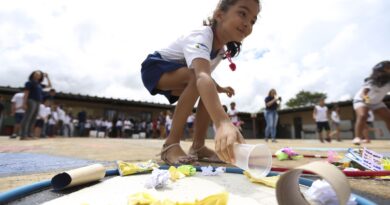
[{"x": 229, "y": 57}]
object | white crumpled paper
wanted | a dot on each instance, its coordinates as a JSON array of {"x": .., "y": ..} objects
[
  {"x": 208, "y": 171},
  {"x": 158, "y": 179},
  {"x": 321, "y": 193}
]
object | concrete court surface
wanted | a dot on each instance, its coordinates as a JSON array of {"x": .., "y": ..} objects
[{"x": 26, "y": 162}]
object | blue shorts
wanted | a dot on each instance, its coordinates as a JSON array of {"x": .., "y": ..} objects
[
  {"x": 18, "y": 117},
  {"x": 152, "y": 69},
  {"x": 190, "y": 124},
  {"x": 39, "y": 123}
]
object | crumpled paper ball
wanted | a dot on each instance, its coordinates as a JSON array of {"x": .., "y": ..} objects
[
  {"x": 321, "y": 193},
  {"x": 158, "y": 179}
]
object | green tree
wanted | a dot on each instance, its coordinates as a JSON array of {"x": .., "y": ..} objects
[{"x": 305, "y": 98}]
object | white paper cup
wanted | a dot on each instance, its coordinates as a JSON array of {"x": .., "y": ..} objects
[{"x": 254, "y": 158}]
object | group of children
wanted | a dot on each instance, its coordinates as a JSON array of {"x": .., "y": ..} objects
[
  {"x": 182, "y": 73},
  {"x": 321, "y": 117},
  {"x": 49, "y": 121}
]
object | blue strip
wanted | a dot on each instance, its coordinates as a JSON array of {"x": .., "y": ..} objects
[
  {"x": 362, "y": 200},
  {"x": 23, "y": 191}
]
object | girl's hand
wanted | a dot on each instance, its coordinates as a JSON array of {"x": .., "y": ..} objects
[
  {"x": 364, "y": 95},
  {"x": 228, "y": 90},
  {"x": 227, "y": 134}
]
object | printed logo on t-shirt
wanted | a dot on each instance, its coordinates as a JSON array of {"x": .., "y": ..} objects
[{"x": 201, "y": 46}]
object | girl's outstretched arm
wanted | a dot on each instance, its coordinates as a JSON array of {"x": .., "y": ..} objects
[{"x": 227, "y": 134}]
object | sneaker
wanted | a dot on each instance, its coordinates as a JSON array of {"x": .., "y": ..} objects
[
  {"x": 356, "y": 141},
  {"x": 266, "y": 140},
  {"x": 274, "y": 140},
  {"x": 13, "y": 136},
  {"x": 366, "y": 141},
  {"x": 328, "y": 140}
]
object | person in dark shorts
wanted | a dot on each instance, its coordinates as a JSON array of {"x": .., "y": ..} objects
[{"x": 320, "y": 115}]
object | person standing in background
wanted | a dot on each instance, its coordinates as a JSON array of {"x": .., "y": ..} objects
[
  {"x": 161, "y": 120},
  {"x": 82, "y": 119},
  {"x": 271, "y": 116},
  {"x": 168, "y": 122},
  {"x": 335, "y": 117},
  {"x": 41, "y": 119},
  {"x": 68, "y": 128},
  {"x": 320, "y": 115},
  {"x": 33, "y": 94},
  {"x": 60, "y": 122},
  {"x": 189, "y": 129},
  {"x": 1, "y": 112},
  {"x": 18, "y": 112}
]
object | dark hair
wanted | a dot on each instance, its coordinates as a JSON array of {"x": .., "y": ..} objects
[
  {"x": 233, "y": 47},
  {"x": 30, "y": 78},
  {"x": 379, "y": 77},
  {"x": 269, "y": 93}
]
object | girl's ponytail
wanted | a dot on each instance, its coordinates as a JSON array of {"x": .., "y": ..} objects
[
  {"x": 233, "y": 48},
  {"x": 379, "y": 76}
]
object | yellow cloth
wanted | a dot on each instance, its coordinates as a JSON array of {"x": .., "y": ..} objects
[
  {"x": 127, "y": 168},
  {"x": 267, "y": 181},
  {"x": 175, "y": 173},
  {"x": 143, "y": 198},
  {"x": 386, "y": 164}
]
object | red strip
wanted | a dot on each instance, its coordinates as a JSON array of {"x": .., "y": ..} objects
[
  {"x": 310, "y": 156},
  {"x": 347, "y": 173}
]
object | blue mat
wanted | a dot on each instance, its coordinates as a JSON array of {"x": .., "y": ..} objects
[{"x": 25, "y": 163}]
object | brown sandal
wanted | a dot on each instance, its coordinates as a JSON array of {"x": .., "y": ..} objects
[
  {"x": 180, "y": 160},
  {"x": 212, "y": 159}
]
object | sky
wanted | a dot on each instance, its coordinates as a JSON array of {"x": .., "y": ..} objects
[{"x": 96, "y": 47}]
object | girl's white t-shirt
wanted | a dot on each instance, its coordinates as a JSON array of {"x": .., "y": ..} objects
[
  {"x": 195, "y": 44},
  {"x": 321, "y": 114},
  {"x": 375, "y": 93}
]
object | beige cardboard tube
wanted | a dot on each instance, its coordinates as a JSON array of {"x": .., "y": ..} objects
[
  {"x": 288, "y": 191},
  {"x": 78, "y": 176}
]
